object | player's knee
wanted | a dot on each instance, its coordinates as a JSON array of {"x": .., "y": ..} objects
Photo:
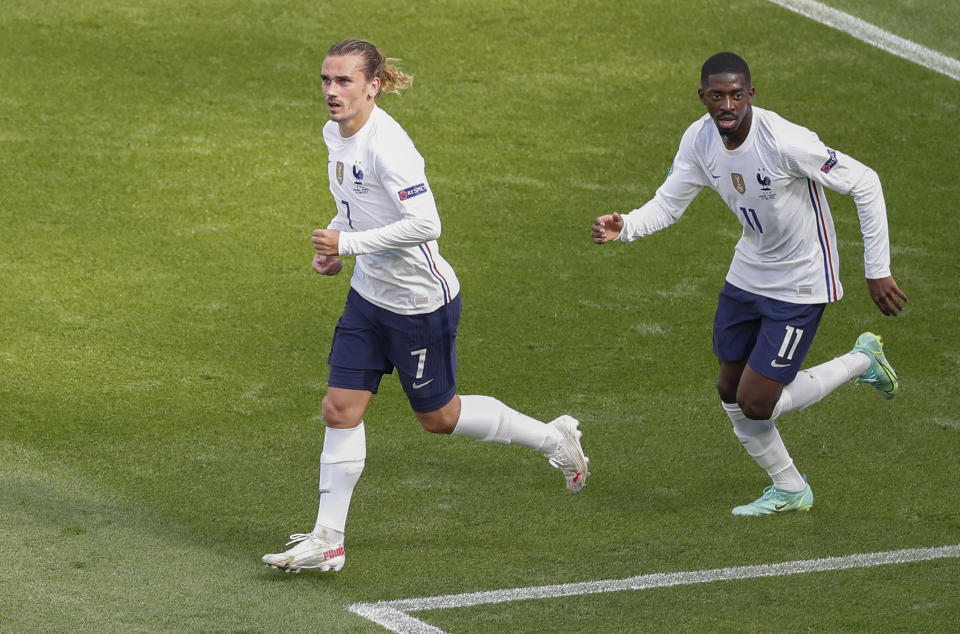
[
  {"x": 757, "y": 409},
  {"x": 727, "y": 391},
  {"x": 436, "y": 422},
  {"x": 727, "y": 394},
  {"x": 339, "y": 414}
]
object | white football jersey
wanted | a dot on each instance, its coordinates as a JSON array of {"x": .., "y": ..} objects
[
  {"x": 387, "y": 217},
  {"x": 774, "y": 184}
]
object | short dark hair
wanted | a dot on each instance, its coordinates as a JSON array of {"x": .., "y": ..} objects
[{"x": 724, "y": 63}]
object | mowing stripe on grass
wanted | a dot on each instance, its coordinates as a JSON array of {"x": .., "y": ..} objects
[
  {"x": 875, "y": 36},
  {"x": 393, "y": 615}
]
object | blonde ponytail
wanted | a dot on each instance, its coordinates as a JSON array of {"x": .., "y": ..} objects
[
  {"x": 392, "y": 79},
  {"x": 375, "y": 64}
]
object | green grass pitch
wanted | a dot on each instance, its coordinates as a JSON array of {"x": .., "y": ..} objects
[{"x": 163, "y": 347}]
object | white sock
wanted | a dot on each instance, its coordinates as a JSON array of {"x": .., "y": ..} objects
[
  {"x": 762, "y": 441},
  {"x": 486, "y": 419},
  {"x": 341, "y": 463},
  {"x": 810, "y": 386},
  {"x": 789, "y": 480}
]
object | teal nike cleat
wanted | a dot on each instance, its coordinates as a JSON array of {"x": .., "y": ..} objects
[
  {"x": 774, "y": 500},
  {"x": 880, "y": 374}
]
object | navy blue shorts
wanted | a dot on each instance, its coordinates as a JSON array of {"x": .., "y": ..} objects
[
  {"x": 370, "y": 341},
  {"x": 770, "y": 335}
]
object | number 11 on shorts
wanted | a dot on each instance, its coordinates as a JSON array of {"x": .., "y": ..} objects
[{"x": 787, "y": 350}]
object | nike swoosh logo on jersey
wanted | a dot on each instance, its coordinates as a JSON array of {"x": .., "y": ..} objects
[
  {"x": 417, "y": 386},
  {"x": 774, "y": 364}
]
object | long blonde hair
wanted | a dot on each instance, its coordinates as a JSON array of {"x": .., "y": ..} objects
[{"x": 375, "y": 64}]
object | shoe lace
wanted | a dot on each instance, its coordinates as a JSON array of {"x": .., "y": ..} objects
[
  {"x": 297, "y": 537},
  {"x": 769, "y": 492}
]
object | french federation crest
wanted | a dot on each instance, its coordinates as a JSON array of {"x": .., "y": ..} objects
[
  {"x": 766, "y": 185},
  {"x": 738, "y": 183},
  {"x": 358, "y": 185},
  {"x": 339, "y": 172}
]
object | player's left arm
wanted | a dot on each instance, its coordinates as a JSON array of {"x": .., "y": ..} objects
[
  {"x": 844, "y": 174},
  {"x": 887, "y": 295},
  {"x": 863, "y": 184},
  {"x": 419, "y": 223},
  {"x": 401, "y": 171},
  {"x": 326, "y": 241}
]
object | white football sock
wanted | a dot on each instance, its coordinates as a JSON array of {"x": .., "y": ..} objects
[
  {"x": 762, "y": 441},
  {"x": 810, "y": 386},
  {"x": 789, "y": 480},
  {"x": 486, "y": 419},
  {"x": 341, "y": 463}
]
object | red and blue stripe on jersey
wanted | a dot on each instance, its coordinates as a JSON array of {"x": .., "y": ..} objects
[
  {"x": 431, "y": 263},
  {"x": 830, "y": 273}
]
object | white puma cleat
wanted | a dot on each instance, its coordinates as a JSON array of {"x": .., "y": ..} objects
[
  {"x": 568, "y": 456},
  {"x": 310, "y": 552}
]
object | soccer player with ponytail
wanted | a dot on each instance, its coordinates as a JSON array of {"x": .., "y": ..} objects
[{"x": 403, "y": 307}]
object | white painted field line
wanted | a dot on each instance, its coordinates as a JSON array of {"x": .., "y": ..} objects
[
  {"x": 875, "y": 36},
  {"x": 394, "y": 615}
]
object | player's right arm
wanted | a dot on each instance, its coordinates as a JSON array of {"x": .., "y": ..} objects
[
  {"x": 325, "y": 260},
  {"x": 684, "y": 181},
  {"x": 607, "y": 227},
  {"x": 327, "y": 264}
]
